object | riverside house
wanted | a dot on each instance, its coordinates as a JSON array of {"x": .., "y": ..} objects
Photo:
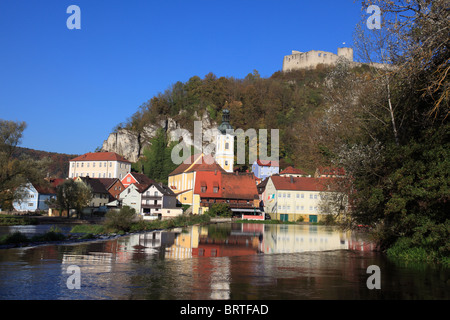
[
  {"x": 99, "y": 165},
  {"x": 34, "y": 197},
  {"x": 292, "y": 198},
  {"x": 151, "y": 201},
  {"x": 238, "y": 190}
]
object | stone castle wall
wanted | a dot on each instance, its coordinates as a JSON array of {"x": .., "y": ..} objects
[{"x": 310, "y": 59}]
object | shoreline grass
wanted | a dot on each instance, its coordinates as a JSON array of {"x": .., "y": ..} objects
[{"x": 10, "y": 220}]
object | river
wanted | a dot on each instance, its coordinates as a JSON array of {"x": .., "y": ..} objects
[{"x": 218, "y": 261}]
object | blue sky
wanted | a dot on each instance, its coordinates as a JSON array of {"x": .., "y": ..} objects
[{"x": 72, "y": 87}]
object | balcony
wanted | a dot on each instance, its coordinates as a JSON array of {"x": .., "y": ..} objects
[
  {"x": 233, "y": 205},
  {"x": 144, "y": 197}
]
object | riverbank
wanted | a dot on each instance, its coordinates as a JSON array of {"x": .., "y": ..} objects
[{"x": 89, "y": 230}]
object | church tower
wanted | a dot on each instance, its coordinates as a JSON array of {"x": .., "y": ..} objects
[{"x": 225, "y": 143}]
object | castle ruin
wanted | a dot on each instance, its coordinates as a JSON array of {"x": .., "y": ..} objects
[
  {"x": 308, "y": 60},
  {"x": 311, "y": 59}
]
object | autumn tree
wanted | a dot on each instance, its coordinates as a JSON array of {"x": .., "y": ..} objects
[
  {"x": 73, "y": 194},
  {"x": 16, "y": 170}
]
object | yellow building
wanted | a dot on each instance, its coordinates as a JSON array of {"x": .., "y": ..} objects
[
  {"x": 293, "y": 198},
  {"x": 182, "y": 180}
]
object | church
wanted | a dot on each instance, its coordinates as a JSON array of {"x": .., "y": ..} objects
[
  {"x": 190, "y": 181},
  {"x": 182, "y": 179}
]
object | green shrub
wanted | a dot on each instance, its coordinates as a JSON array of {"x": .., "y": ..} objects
[
  {"x": 48, "y": 236},
  {"x": 89, "y": 228},
  {"x": 220, "y": 210},
  {"x": 120, "y": 220},
  {"x": 14, "y": 238}
]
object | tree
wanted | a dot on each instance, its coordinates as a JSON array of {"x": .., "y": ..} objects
[
  {"x": 16, "y": 170},
  {"x": 399, "y": 163},
  {"x": 156, "y": 161},
  {"x": 120, "y": 220},
  {"x": 73, "y": 195},
  {"x": 220, "y": 210}
]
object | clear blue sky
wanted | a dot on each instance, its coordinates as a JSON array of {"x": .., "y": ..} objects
[{"x": 72, "y": 87}]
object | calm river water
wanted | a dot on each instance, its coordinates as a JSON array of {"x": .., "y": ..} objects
[{"x": 219, "y": 261}]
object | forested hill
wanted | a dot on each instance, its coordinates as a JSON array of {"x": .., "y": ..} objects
[
  {"x": 58, "y": 162},
  {"x": 285, "y": 101}
]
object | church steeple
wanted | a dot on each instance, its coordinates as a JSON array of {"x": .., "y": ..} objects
[
  {"x": 225, "y": 143},
  {"x": 225, "y": 121}
]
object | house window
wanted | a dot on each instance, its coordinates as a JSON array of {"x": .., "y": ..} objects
[
  {"x": 288, "y": 195},
  {"x": 93, "y": 164},
  {"x": 227, "y": 146},
  {"x": 315, "y": 196},
  {"x": 110, "y": 164},
  {"x": 310, "y": 196},
  {"x": 82, "y": 164},
  {"x": 297, "y": 196},
  {"x": 87, "y": 164},
  {"x": 100, "y": 164},
  {"x": 303, "y": 196},
  {"x": 30, "y": 204},
  {"x": 226, "y": 162},
  {"x": 77, "y": 164},
  {"x": 128, "y": 179},
  {"x": 203, "y": 189},
  {"x": 109, "y": 175},
  {"x": 156, "y": 193},
  {"x": 216, "y": 189}
]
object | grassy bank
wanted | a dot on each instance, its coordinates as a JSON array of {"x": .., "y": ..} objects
[
  {"x": 405, "y": 250},
  {"x": 141, "y": 225},
  {"x": 9, "y": 220}
]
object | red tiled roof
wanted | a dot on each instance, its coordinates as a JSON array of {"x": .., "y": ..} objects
[
  {"x": 268, "y": 163},
  {"x": 330, "y": 171},
  {"x": 108, "y": 182},
  {"x": 239, "y": 186},
  {"x": 208, "y": 179},
  {"x": 100, "y": 156},
  {"x": 299, "y": 183},
  {"x": 198, "y": 162},
  {"x": 228, "y": 185},
  {"x": 141, "y": 178},
  {"x": 292, "y": 170},
  {"x": 45, "y": 189}
]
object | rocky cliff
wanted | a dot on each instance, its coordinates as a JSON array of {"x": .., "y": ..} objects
[{"x": 131, "y": 144}]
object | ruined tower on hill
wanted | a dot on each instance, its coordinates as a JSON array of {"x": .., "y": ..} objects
[{"x": 311, "y": 59}]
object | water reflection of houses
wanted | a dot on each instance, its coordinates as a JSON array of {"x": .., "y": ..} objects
[
  {"x": 285, "y": 239},
  {"x": 244, "y": 239}
]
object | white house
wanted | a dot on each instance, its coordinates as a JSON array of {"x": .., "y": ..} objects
[
  {"x": 99, "y": 165},
  {"x": 34, "y": 197},
  {"x": 154, "y": 201}
]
